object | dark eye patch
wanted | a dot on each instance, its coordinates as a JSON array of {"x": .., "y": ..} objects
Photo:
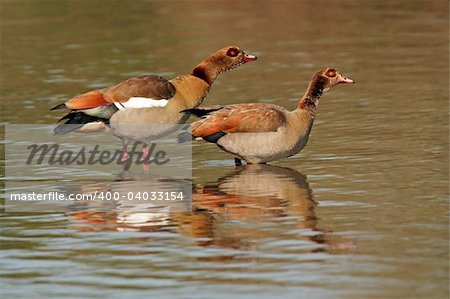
[
  {"x": 232, "y": 52},
  {"x": 331, "y": 73}
]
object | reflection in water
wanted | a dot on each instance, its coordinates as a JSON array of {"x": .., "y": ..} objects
[
  {"x": 227, "y": 213},
  {"x": 255, "y": 194},
  {"x": 129, "y": 203}
]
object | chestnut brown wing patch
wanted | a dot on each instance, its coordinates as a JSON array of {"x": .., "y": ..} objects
[
  {"x": 87, "y": 100},
  {"x": 241, "y": 118},
  {"x": 148, "y": 86}
]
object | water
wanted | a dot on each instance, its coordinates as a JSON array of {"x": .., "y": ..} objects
[{"x": 361, "y": 212}]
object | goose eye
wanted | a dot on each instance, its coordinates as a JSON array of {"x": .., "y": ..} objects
[
  {"x": 331, "y": 73},
  {"x": 232, "y": 52}
]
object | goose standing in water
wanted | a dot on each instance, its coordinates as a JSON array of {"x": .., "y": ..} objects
[
  {"x": 258, "y": 132},
  {"x": 129, "y": 108}
]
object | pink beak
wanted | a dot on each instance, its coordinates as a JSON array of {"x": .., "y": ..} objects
[
  {"x": 345, "y": 80},
  {"x": 249, "y": 57}
]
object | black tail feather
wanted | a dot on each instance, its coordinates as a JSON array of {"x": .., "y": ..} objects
[
  {"x": 67, "y": 116},
  {"x": 58, "y": 107},
  {"x": 213, "y": 138},
  {"x": 75, "y": 120},
  {"x": 201, "y": 112},
  {"x": 63, "y": 129},
  {"x": 185, "y": 137}
]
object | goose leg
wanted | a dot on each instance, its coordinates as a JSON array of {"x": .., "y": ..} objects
[
  {"x": 124, "y": 153},
  {"x": 145, "y": 157},
  {"x": 125, "y": 158}
]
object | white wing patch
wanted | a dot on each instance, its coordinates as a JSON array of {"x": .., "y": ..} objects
[{"x": 139, "y": 102}]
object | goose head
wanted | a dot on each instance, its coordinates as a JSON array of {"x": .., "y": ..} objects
[{"x": 330, "y": 77}]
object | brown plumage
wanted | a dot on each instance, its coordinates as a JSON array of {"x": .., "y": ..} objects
[
  {"x": 147, "y": 99},
  {"x": 260, "y": 133},
  {"x": 148, "y": 86},
  {"x": 254, "y": 117}
]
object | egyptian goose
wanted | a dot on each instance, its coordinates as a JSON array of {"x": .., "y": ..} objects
[
  {"x": 146, "y": 100},
  {"x": 260, "y": 133}
]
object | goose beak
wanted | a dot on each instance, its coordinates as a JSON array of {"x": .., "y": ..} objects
[
  {"x": 249, "y": 57},
  {"x": 345, "y": 80}
]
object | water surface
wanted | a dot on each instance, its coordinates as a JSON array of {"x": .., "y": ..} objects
[{"x": 361, "y": 212}]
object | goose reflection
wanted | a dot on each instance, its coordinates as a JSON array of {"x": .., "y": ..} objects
[
  {"x": 241, "y": 210},
  {"x": 251, "y": 195},
  {"x": 259, "y": 192},
  {"x": 134, "y": 210}
]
